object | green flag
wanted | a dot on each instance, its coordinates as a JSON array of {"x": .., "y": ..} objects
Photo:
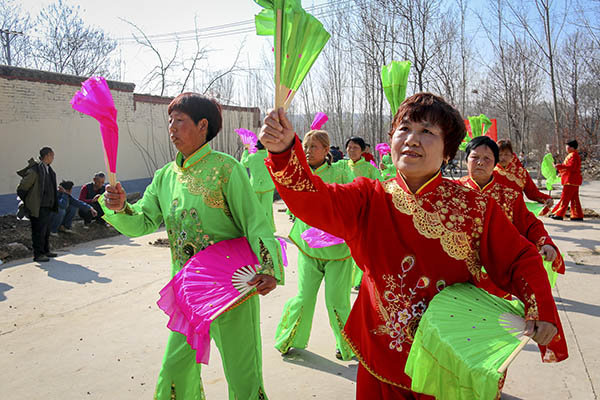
[
  {"x": 549, "y": 171},
  {"x": 394, "y": 79}
]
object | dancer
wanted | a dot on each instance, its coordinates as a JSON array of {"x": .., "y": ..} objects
[
  {"x": 332, "y": 264},
  {"x": 430, "y": 233},
  {"x": 517, "y": 176},
  {"x": 259, "y": 179},
  {"x": 482, "y": 155},
  {"x": 356, "y": 163},
  {"x": 202, "y": 199},
  {"x": 570, "y": 178}
]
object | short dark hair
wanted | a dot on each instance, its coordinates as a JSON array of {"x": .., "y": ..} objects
[
  {"x": 505, "y": 144},
  {"x": 573, "y": 144},
  {"x": 259, "y": 145},
  {"x": 44, "y": 151},
  {"x": 67, "y": 185},
  {"x": 434, "y": 109},
  {"x": 99, "y": 174},
  {"x": 484, "y": 141},
  {"x": 198, "y": 107},
  {"x": 359, "y": 141}
]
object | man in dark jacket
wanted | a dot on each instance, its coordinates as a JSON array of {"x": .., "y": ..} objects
[
  {"x": 67, "y": 207},
  {"x": 38, "y": 191}
]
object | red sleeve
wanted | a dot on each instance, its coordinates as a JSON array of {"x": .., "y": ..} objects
[
  {"x": 515, "y": 265},
  {"x": 83, "y": 195},
  {"x": 332, "y": 207},
  {"x": 532, "y": 192}
]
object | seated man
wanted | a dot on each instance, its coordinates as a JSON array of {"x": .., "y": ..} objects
[
  {"x": 67, "y": 206},
  {"x": 90, "y": 193}
]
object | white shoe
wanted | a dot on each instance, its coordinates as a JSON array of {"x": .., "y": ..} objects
[
  {"x": 67, "y": 230},
  {"x": 54, "y": 234}
]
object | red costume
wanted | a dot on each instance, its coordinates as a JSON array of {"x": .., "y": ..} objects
[
  {"x": 368, "y": 157},
  {"x": 519, "y": 179},
  {"x": 570, "y": 178},
  {"x": 512, "y": 203},
  {"x": 411, "y": 246}
]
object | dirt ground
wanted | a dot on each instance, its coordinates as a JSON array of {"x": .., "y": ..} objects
[{"x": 15, "y": 236}]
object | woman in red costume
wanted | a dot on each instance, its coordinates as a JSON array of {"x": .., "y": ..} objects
[
  {"x": 570, "y": 178},
  {"x": 412, "y": 236},
  {"x": 517, "y": 176},
  {"x": 482, "y": 155}
]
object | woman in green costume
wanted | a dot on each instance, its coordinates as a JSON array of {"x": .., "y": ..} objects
[
  {"x": 355, "y": 146},
  {"x": 333, "y": 264},
  {"x": 260, "y": 179},
  {"x": 202, "y": 199},
  {"x": 387, "y": 168}
]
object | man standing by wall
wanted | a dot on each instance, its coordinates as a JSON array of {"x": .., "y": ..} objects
[
  {"x": 90, "y": 194},
  {"x": 38, "y": 191}
]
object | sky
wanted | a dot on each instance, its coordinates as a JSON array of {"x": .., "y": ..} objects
[{"x": 165, "y": 17}]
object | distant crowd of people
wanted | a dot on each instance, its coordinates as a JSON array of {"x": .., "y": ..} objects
[{"x": 51, "y": 208}]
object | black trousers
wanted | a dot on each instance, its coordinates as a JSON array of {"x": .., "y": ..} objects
[
  {"x": 40, "y": 231},
  {"x": 87, "y": 216}
]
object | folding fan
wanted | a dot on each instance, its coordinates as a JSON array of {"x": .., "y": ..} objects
[
  {"x": 298, "y": 40},
  {"x": 248, "y": 138},
  {"x": 394, "y": 79},
  {"x": 209, "y": 283},
  {"x": 94, "y": 99},
  {"x": 383, "y": 149},
  {"x": 549, "y": 171},
  {"x": 317, "y": 238},
  {"x": 479, "y": 125},
  {"x": 464, "y": 343},
  {"x": 319, "y": 121}
]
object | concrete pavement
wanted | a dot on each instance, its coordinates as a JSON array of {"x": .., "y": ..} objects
[{"x": 86, "y": 326}]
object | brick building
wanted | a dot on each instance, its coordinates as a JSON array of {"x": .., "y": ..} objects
[{"x": 35, "y": 111}]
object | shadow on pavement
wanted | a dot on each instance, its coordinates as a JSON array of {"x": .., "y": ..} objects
[
  {"x": 305, "y": 358},
  {"x": 64, "y": 271},
  {"x": 506, "y": 396},
  {"x": 573, "y": 306},
  {"x": 4, "y": 287}
]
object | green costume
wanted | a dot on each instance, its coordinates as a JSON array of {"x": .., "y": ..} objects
[
  {"x": 360, "y": 168},
  {"x": 260, "y": 180},
  {"x": 203, "y": 200},
  {"x": 389, "y": 170},
  {"x": 334, "y": 265}
]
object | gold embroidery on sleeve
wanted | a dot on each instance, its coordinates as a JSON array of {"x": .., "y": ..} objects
[{"x": 288, "y": 177}]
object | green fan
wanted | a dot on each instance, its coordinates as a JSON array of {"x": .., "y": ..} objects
[
  {"x": 480, "y": 124},
  {"x": 552, "y": 274},
  {"x": 535, "y": 208},
  {"x": 299, "y": 38},
  {"x": 549, "y": 171},
  {"x": 394, "y": 79},
  {"x": 464, "y": 343}
]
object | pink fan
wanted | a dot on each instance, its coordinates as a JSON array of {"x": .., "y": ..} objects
[
  {"x": 383, "y": 149},
  {"x": 248, "y": 138},
  {"x": 317, "y": 238},
  {"x": 319, "y": 121},
  {"x": 94, "y": 99},
  {"x": 208, "y": 284}
]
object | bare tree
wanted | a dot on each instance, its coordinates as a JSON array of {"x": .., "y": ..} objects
[
  {"x": 14, "y": 34},
  {"x": 66, "y": 45}
]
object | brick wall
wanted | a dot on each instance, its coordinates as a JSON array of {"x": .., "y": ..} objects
[{"x": 35, "y": 111}]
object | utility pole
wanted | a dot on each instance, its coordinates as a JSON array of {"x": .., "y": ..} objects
[{"x": 7, "y": 40}]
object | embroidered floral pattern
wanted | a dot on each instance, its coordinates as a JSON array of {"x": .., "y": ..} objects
[
  {"x": 186, "y": 234},
  {"x": 404, "y": 306},
  {"x": 292, "y": 176},
  {"x": 505, "y": 197},
  {"x": 208, "y": 184},
  {"x": 456, "y": 220},
  {"x": 513, "y": 172}
]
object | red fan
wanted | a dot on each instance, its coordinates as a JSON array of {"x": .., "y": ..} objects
[{"x": 209, "y": 283}]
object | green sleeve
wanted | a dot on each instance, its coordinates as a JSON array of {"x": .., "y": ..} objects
[
  {"x": 244, "y": 159},
  {"x": 141, "y": 218},
  {"x": 249, "y": 216},
  {"x": 376, "y": 174}
]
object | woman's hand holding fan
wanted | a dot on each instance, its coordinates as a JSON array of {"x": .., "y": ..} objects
[{"x": 277, "y": 134}]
